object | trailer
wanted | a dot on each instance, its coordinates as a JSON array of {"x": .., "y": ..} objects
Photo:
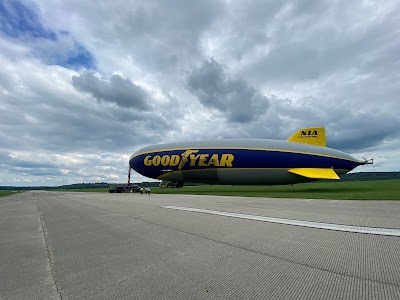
[{"x": 124, "y": 188}]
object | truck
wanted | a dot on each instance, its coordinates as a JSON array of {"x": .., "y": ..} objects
[
  {"x": 123, "y": 188},
  {"x": 170, "y": 184}
]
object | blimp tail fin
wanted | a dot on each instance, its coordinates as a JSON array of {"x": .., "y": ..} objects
[
  {"x": 315, "y": 173},
  {"x": 313, "y": 136}
]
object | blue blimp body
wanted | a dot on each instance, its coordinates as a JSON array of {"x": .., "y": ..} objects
[{"x": 303, "y": 157}]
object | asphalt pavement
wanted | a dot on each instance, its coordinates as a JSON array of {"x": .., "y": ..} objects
[{"x": 66, "y": 245}]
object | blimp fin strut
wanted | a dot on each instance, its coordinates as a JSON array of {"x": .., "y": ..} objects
[
  {"x": 315, "y": 173},
  {"x": 313, "y": 136}
]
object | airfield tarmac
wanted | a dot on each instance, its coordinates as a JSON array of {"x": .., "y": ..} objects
[{"x": 65, "y": 245}]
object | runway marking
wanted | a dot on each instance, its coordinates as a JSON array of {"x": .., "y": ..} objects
[{"x": 329, "y": 226}]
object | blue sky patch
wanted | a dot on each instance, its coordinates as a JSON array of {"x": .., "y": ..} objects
[
  {"x": 80, "y": 58},
  {"x": 17, "y": 20},
  {"x": 22, "y": 22}
]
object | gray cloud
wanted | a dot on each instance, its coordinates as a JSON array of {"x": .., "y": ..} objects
[
  {"x": 363, "y": 130},
  {"x": 274, "y": 117},
  {"x": 47, "y": 113},
  {"x": 214, "y": 87},
  {"x": 121, "y": 91},
  {"x": 158, "y": 36}
]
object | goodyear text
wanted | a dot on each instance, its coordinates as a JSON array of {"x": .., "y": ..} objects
[{"x": 194, "y": 160}]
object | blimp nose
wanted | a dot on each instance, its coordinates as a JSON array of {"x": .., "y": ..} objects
[
  {"x": 134, "y": 164},
  {"x": 365, "y": 161}
]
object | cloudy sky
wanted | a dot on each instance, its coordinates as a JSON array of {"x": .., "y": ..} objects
[{"x": 84, "y": 84}]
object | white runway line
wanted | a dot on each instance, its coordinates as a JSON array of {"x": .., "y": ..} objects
[{"x": 329, "y": 226}]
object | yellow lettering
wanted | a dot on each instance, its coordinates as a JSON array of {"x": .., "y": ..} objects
[
  {"x": 193, "y": 159},
  {"x": 203, "y": 160},
  {"x": 226, "y": 160},
  {"x": 165, "y": 160},
  {"x": 214, "y": 160},
  {"x": 147, "y": 161},
  {"x": 156, "y": 160},
  {"x": 174, "y": 160}
]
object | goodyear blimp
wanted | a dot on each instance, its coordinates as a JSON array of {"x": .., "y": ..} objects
[{"x": 303, "y": 157}]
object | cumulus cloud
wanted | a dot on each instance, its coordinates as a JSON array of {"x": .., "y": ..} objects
[
  {"x": 214, "y": 87},
  {"x": 157, "y": 36},
  {"x": 48, "y": 113},
  {"x": 35, "y": 168},
  {"x": 118, "y": 90}
]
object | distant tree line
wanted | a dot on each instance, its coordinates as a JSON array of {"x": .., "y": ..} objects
[
  {"x": 75, "y": 186},
  {"x": 361, "y": 176},
  {"x": 364, "y": 176}
]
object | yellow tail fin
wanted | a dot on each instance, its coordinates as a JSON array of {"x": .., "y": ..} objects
[
  {"x": 315, "y": 173},
  {"x": 313, "y": 136}
]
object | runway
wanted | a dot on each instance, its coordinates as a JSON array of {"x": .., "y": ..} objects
[{"x": 60, "y": 245}]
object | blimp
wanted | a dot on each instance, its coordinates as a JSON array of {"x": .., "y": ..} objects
[{"x": 303, "y": 157}]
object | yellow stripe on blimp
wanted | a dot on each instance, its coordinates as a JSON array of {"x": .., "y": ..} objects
[{"x": 316, "y": 173}]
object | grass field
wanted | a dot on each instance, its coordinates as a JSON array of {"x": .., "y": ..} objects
[
  {"x": 353, "y": 190},
  {"x": 357, "y": 190},
  {"x": 6, "y": 193}
]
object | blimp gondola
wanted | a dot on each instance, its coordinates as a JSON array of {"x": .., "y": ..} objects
[{"x": 301, "y": 158}]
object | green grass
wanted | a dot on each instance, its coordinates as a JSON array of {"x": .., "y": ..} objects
[
  {"x": 7, "y": 192},
  {"x": 350, "y": 190},
  {"x": 356, "y": 190}
]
